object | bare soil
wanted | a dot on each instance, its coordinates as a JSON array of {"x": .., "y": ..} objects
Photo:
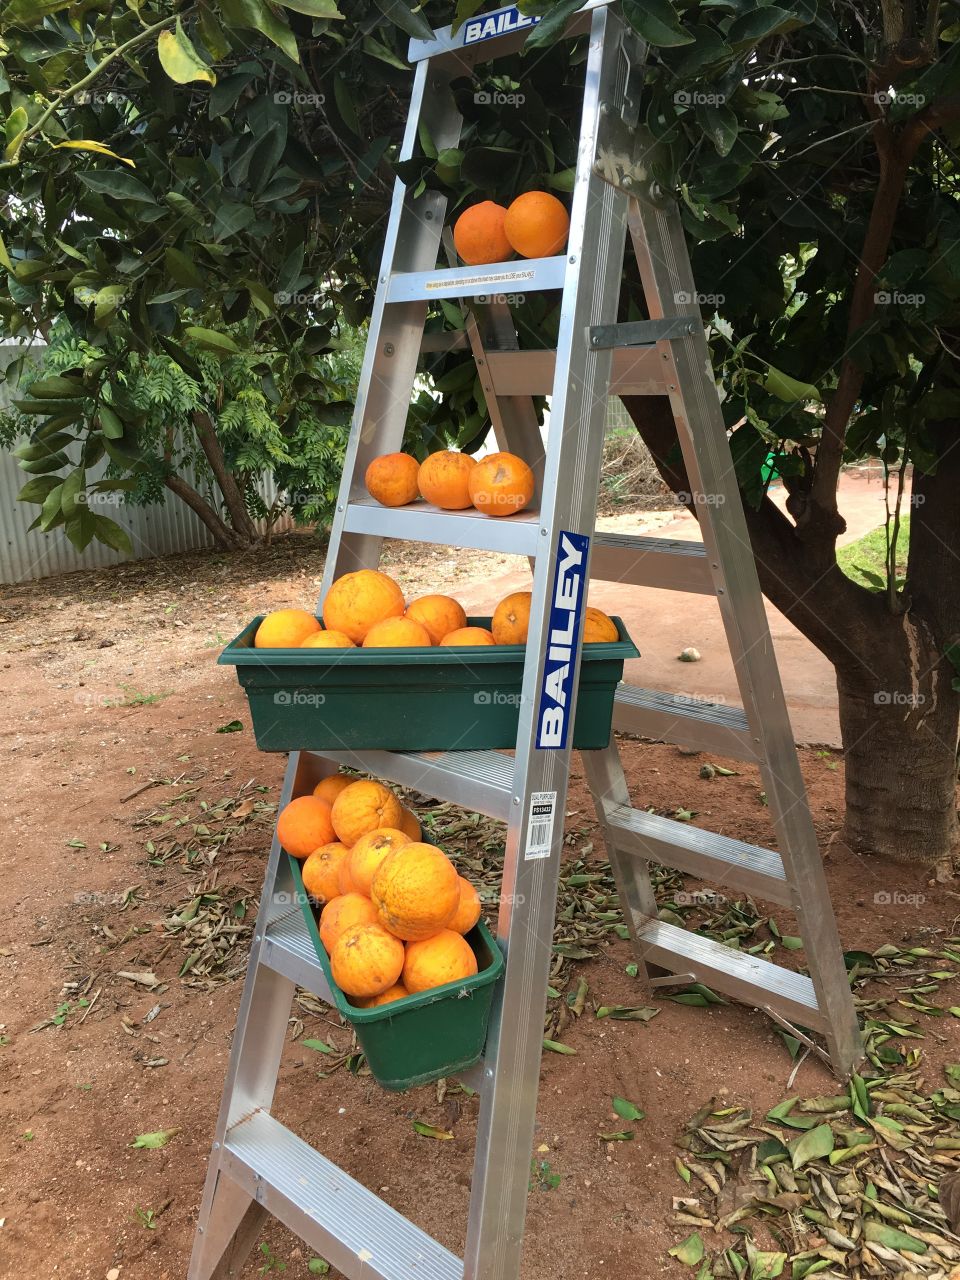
[{"x": 111, "y": 685}]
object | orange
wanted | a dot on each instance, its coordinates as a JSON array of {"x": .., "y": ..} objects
[
  {"x": 369, "y": 851},
  {"x": 328, "y": 640},
  {"x": 468, "y": 636},
  {"x": 443, "y": 479},
  {"x": 501, "y": 484},
  {"x": 331, "y": 786},
  {"x": 479, "y": 235},
  {"x": 446, "y": 957},
  {"x": 416, "y": 891},
  {"x": 468, "y": 912},
  {"x": 321, "y": 871},
  {"x": 358, "y": 600},
  {"x": 366, "y": 960},
  {"x": 396, "y": 633},
  {"x": 598, "y": 627},
  {"x": 344, "y": 878},
  {"x": 304, "y": 825},
  {"x": 392, "y": 479},
  {"x": 410, "y": 824},
  {"x": 537, "y": 225},
  {"x": 285, "y": 629},
  {"x": 511, "y": 618},
  {"x": 341, "y": 914},
  {"x": 364, "y": 806},
  {"x": 439, "y": 614},
  {"x": 396, "y": 992}
]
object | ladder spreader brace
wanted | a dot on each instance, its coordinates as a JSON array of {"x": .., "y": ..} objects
[{"x": 257, "y": 1165}]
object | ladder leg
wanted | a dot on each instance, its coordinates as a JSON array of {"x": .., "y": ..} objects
[{"x": 225, "y": 1239}]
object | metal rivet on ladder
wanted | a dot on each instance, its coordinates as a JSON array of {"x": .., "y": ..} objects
[
  {"x": 516, "y": 799},
  {"x": 572, "y": 260},
  {"x": 383, "y": 279},
  {"x": 428, "y": 216},
  {"x": 388, "y": 348}
]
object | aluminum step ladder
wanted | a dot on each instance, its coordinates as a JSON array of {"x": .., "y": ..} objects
[{"x": 258, "y": 1166}]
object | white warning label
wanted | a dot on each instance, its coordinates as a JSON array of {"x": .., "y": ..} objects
[
  {"x": 494, "y": 277},
  {"x": 543, "y": 808}
]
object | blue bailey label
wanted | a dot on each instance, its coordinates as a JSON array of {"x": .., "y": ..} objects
[
  {"x": 500, "y": 23},
  {"x": 566, "y": 610}
]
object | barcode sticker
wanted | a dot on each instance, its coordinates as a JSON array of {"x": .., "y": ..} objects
[{"x": 543, "y": 807}]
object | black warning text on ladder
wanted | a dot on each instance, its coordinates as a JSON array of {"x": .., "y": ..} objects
[{"x": 563, "y": 637}]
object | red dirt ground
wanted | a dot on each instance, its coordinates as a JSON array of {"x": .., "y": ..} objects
[{"x": 75, "y": 1096}]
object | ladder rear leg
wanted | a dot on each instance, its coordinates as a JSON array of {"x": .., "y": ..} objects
[{"x": 229, "y": 1232}]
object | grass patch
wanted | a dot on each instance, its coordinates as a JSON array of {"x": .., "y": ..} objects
[{"x": 865, "y": 561}]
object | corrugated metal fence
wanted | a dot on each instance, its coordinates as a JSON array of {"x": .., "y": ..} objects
[{"x": 156, "y": 530}]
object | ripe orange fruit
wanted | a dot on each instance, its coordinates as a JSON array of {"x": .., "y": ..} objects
[
  {"x": 331, "y": 786},
  {"x": 479, "y": 235},
  {"x": 328, "y": 640},
  {"x": 366, "y": 960},
  {"x": 416, "y": 891},
  {"x": 392, "y": 479},
  {"x": 598, "y": 627},
  {"x": 501, "y": 484},
  {"x": 369, "y": 851},
  {"x": 304, "y": 825},
  {"x": 344, "y": 878},
  {"x": 364, "y": 806},
  {"x": 468, "y": 636},
  {"x": 537, "y": 225},
  {"x": 469, "y": 909},
  {"x": 397, "y": 633},
  {"x": 285, "y": 629},
  {"x": 343, "y": 913},
  {"x": 321, "y": 871},
  {"x": 446, "y": 957},
  {"x": 439, "y": 614},
  {"x": 358, "y": 600},
  {"x": 511, "y": 618},
  {"x": 396, "y": 992},
  {"x": 410, "y": 824},
  {"x": 443, "y": 479}
]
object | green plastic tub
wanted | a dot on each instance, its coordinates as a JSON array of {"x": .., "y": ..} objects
[
  {"x": 438, "y": 699},
  {"x": 423, "y": 1037}
]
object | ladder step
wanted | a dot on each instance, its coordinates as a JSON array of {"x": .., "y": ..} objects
[
  {"x": 705, "y": 854},
  {"x": 686, "y": 720},
  {"x": 745, "y": 978},
  {"x": 353, "y": 1229},
  {"x": 669, "y": 563},
  {"x": 637, "y": 371},
  {"x": 481, "y": 781},
  {"x": 287, "y": 949},
  {"x": 515, "y": 535},
  {"x": 534, "y": 275}
]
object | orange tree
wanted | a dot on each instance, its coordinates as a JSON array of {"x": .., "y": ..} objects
[{"x": 218, "y": 171}]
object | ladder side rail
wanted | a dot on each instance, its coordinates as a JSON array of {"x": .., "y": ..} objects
[
  {"x": 528, "y": 903},
  {"x": 396, "y": 329},
  {"x": 658, "y": 239}
]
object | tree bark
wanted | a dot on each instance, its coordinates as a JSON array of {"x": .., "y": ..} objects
[
  {"x": 232, "y": 497},
  {"x": 223, "y": 535}
]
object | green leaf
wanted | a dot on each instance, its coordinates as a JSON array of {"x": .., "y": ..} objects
[
  {"x": 14, "y": 127},
  {"x": 179, "y": 58},
  {"x": 117, "y": 184},
  {"x": 38, "y": 489},
  {"x": 552, "y": 25},
  {"x": 722, "y": 126},
  {"x": 110, "y": 424},
  {"x": 891, "y": 1238},
  {"x": 235, "y": 726},
  {"x": 89, "y": 144},
  {"x": 556, "y": 1047},
  {"x": 313, "y": 8},
  {"x": 657, "y": 22},
  {"x": 627, "y": 1012},
  {"x": 814, "y": 1145},
  {"x": 320, "y": 1046},
  {"x": 56, "y": 388},
  {"x": 402, "y": 16},
  {"x": 759, "y": 22},
  {"x": 257, "y": 15},
  {"x": 107, "y": 302},
  {"x": 689, "y": 1251},
  {"x": 219, "y": 343},
  {"x": 112, "y": 534},
  {"x": 627, "y": 1110},
  {"x": 786, "y": 388},
  {"x": 182, "y": 269},
  {"x": 318, "y": 1267},
  {"x": 428, "y": 1131},
  {"x": 151, "y": 1141},
  {"x": 766, "y": 1266}
]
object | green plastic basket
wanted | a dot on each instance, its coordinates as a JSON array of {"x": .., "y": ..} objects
[
  {"x": 422, "y": 1037},
  {"x": 437, "y": 699}
]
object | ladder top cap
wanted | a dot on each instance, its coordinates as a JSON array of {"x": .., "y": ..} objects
[{"x": 488, "y": 33}]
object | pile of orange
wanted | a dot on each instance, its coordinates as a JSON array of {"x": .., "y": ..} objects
[
  {"x": 500, "y": 484},
  {"x": 535, "y": 225},
  {"x": 394, "y": 909},
  {"x": 367, "y": 608}
]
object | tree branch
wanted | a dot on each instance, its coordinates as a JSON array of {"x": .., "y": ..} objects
[
  {"x": 232, "y": 496},
  {"x": 223, "y": 535}
]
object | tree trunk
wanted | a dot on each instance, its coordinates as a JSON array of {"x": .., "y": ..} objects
[
  {"x": 225, "y": 537},
  {"x": 232, "y": 497}
]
